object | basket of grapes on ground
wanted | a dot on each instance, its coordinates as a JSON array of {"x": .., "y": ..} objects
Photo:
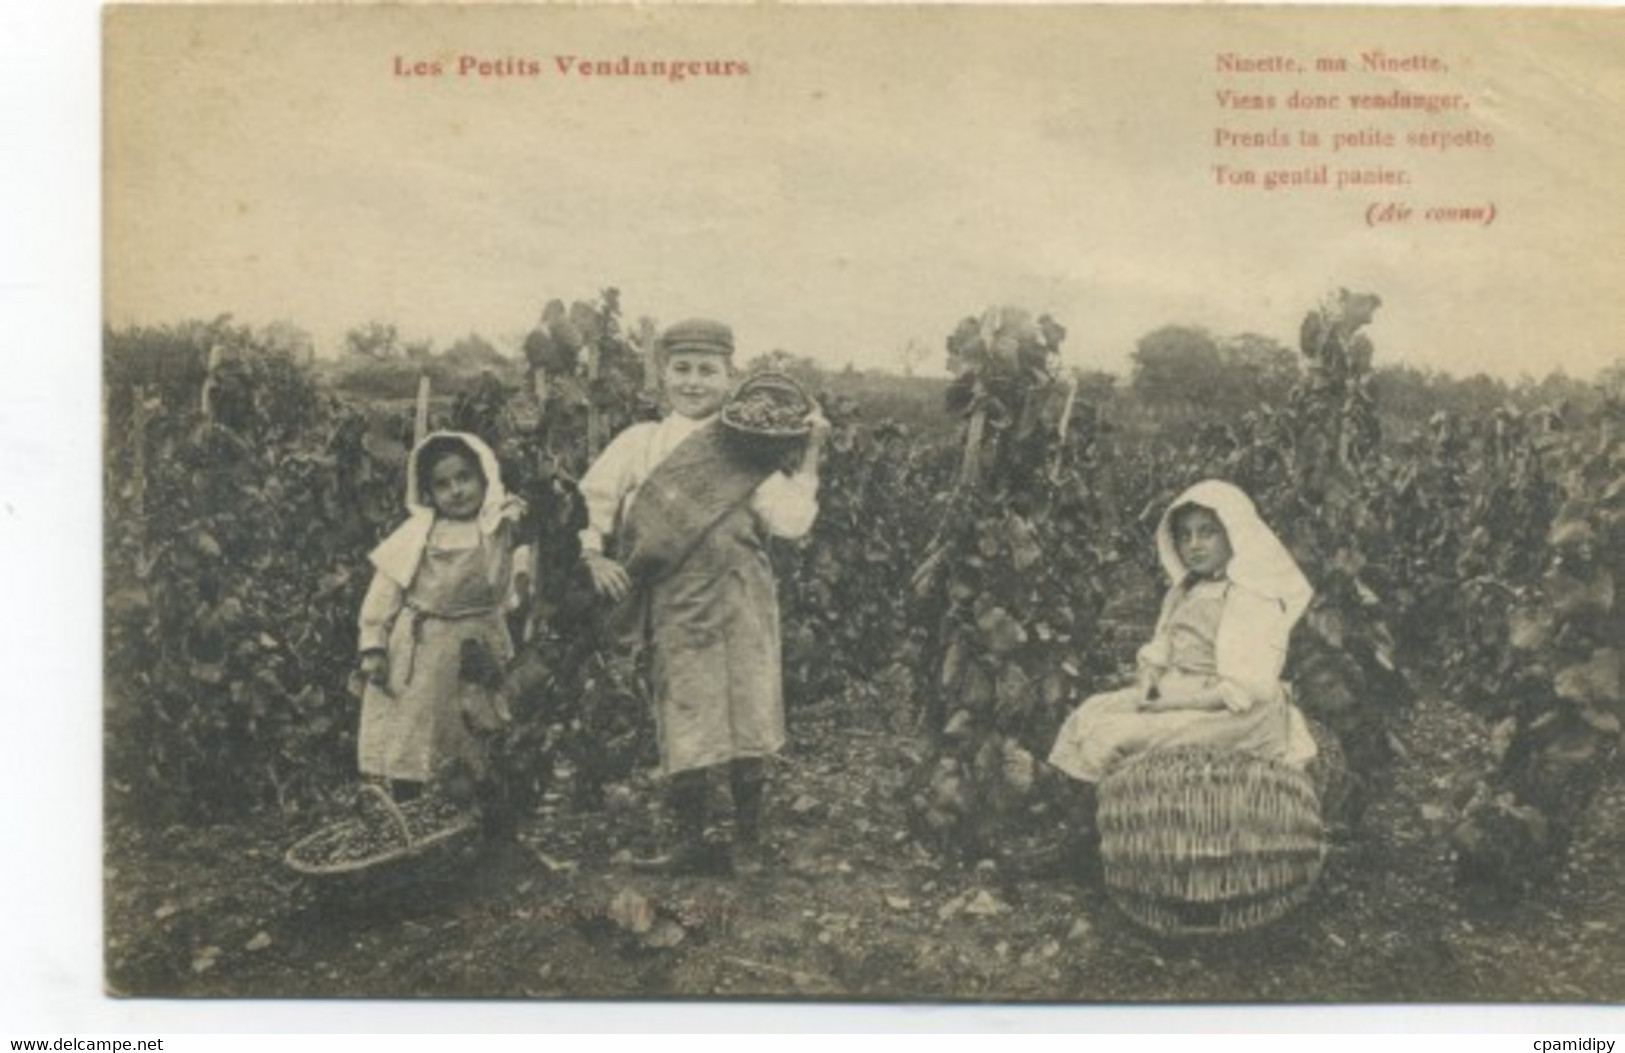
[{"x": 387, "y": 847}]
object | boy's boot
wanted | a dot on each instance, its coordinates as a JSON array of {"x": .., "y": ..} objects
[
  {"x": 748, "y": 780},
  {"x": 693, "y": 854}
]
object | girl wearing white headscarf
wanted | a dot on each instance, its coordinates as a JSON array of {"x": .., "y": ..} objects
[
  {"x": 442, "y": 578},
  {"x": 1211, "y": 674}
]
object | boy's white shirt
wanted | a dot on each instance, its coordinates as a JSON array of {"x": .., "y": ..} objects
[{"x": 786, "y": 504}]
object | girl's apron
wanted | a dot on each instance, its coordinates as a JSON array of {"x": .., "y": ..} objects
[
  {"x": 415, "y": 728},
  {"x": 1110, "y": 728}
]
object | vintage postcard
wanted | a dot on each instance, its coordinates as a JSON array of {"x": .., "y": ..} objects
[{"x": 1026, "y": 504}]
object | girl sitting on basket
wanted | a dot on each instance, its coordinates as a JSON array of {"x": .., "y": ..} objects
[
  {"x": 1211, "y": 674},
  {"x": 440, "y": 581},
  {"x": 688, "y": 519}
]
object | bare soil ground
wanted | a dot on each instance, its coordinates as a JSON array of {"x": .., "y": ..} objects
[{"x": 855, "y": 910}]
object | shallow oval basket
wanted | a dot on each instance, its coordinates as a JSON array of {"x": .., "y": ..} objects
[
  {"x": 392, "y": 860},
  {"x": 1201, "y": 841}
]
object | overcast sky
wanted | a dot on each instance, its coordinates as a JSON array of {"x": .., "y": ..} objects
[{"x": 875, "y": 177}]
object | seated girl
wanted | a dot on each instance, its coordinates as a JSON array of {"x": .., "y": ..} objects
[{"x": 1211, "y": 674}]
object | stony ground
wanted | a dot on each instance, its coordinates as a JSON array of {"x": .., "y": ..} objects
[{"x": 855, "y": 910}]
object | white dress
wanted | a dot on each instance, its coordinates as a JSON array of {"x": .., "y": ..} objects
[
  {"x": 412, "y": 727},
  {"x": 1228, "y": 635},
  {"x": 1110, "y": 728}
]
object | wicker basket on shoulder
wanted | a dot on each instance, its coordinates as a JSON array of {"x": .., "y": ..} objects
[
  {"x": 777, "y": 389},
  {"x": 1202, "y": 841},
  {"x": 759, "y": 442}
]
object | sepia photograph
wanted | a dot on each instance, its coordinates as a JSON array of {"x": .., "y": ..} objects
[{"x": 1040, "y": 505}]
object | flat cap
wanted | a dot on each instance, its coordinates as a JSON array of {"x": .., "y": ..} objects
[{"x": 698, "y": 334}]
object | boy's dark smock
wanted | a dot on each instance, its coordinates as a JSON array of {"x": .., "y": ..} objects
[{"x": 704, "y": 593}]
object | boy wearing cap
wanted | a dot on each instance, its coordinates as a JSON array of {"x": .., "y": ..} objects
[{"x": 687, "y": 524}]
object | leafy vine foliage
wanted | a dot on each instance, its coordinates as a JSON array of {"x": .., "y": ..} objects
[
  {"x": 235, "y": 538},
  {"x": 1312, "y": 465},
  {"x": 1011, "y": 588},
  {"x": 970, "y": 592},
  {"x": 586, "y": 381},
  {"x": 844, "y": 590},
  {"x": 1539, "y": 650},
  {"x": 1343, "y": 656}
]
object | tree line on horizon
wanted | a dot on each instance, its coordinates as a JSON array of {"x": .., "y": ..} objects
[{"x": 1179, "y": 375}]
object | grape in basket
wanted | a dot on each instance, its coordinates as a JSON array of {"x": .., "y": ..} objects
[{"x": 768, "y": 420}]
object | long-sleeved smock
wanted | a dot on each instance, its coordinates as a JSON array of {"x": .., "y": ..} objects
[{"x": 710, "y": 621}]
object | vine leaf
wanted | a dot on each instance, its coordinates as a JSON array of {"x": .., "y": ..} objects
[
  {"x": 1531, "y": 628},
  {"x": 1023, "y": 543},
  {"x": 1000, "y": 632},
  {"x": 1592, "y": 682},
  {"x": 1572, "y": 596}
]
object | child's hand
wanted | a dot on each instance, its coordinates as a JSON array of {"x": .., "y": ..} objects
[
  {"x": 609, "y": 578},
  {"x": 820, "y": 426},
  {"x": 1184, "y": 695},
  {"x": 806, "y": 458},
  {"x": 375, "y": 667}
]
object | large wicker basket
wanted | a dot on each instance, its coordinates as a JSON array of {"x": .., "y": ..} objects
[{"x": 1202, "y": 841}]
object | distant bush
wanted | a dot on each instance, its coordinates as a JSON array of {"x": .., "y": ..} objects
[{"x": 393, "y": 379}]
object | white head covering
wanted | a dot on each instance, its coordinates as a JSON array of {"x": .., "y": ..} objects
[
  {"x": 495, "y": 495},
  {"x": 1258, "y": 561},
  {"x": 398, "y": 555}
]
